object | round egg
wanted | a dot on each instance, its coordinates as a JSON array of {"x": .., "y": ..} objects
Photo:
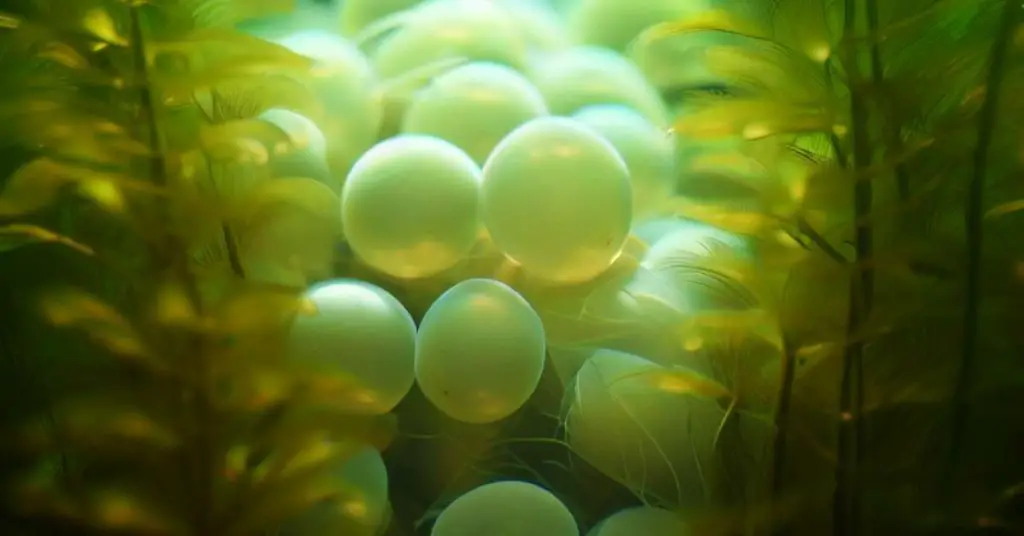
[
  {"x": 633, "y": 420},
  {"x": 615, "y": 24},
  {"x": 508, "y": 508},
  {"x": 648, "y": 151},
  {"x": 480, "y": 351},
  {"x": 557, "y": 200},
  {"x": 356, "y": 15},
  {"x": 410, "y": 206},
  {"x": 540, "y": 26},
  {"x": 474, "y": 106},
  {"x": 446, "y": 30},
  {"x": 581, "y": 76},
  {"x": 305, "y": 153},
  {"x": 644, "y": 520},
  {"x": 361, "y": 508},
  {"x": 359, "y": 332},
  {"x": 344, "y": 81}
]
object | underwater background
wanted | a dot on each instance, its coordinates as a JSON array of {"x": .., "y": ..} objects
[{"x": 512, "y": 267}]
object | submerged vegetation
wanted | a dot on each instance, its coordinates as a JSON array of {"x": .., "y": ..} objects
[{"x": 235, "y": 233}]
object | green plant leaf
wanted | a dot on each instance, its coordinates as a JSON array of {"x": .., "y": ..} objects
[{"x": 17, "y": 235}]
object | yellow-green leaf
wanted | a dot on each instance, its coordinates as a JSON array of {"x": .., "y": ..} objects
[
  {"x": 99, "y": 23},
  {"x": 709, "y": 21},
  {"x": 102, "y": 324},
  {"x": 18, "y": 235}
]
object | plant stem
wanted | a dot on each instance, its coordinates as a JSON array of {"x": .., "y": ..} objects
[
  {"x": 171, "y": 254},
  {"x": 846, "y": 500},
  {"x": 892, "y": 132},
  {"x": 975, "y": 233}
]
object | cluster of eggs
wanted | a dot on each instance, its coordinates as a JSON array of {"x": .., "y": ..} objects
[{"x": 517, "y": 131}]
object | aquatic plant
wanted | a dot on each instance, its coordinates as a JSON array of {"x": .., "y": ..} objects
[
  {"x": 884, "y": 103},
  {"x": 135, "y": 118}
]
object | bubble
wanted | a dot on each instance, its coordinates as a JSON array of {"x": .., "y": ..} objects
[
  {"x": 508, "y": 508},
  {"x": 658, "y": 444},
  {"x": 348, "y": 89},
  {"x": 479, "y": 351},
  {"x": 474, "y": 107},
  {"x": 581, "y": 76},
  {"x": 448, "y": 29},
  {"x": 648, "y": 151},
  {"x": 410, "y": 206},
  {"x": 362, "y": 506},
  {"x": 305, "y": 152},
  {"x": 361, "y": 331},
  {"x": 641, "y": 520},
  {"x": 557, "y": 200}
]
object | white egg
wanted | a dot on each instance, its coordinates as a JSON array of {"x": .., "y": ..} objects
[
  {"x": 480, "y": 351},
  {"x": 358, "y": 331},
  {"x": 474, "y": 107},
  {"x": 507, "y": 508},
  {"x": 577, "y": 77},
  {"x": 410, "y": 206},
  {"x": 557, "y": 200}
]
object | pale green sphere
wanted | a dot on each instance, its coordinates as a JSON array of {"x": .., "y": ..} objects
[
  {"x": 410, "y": 206},
  {"x": 347, "y": 86},
  {"x": 305, "y": 152},
  {"x": 649, "y": 153},
  {"x": 447, "y": 30},
  {"x": 582, "y": 76},
  {"x": 480, "y": 351},
  {"x": 542, "y": 28},
  {"x": 642, "y": 520},
  {"x": 474, "y": 107},
  {"x": 557, "y": 200},
  {"x": 616, "y": 23},
  {"x": 361, "y": 509},
  {"x": 361, "y": 332},
  {"x": 679, "y": 257},
  {"x": 356, "y": 15},
  {"x": 633, "y": 420},
  {"x": 507, "y": 508}
]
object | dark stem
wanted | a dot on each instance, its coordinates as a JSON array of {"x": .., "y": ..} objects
[
  {"x": 780, "y": 441},
  {"x": 171, "y": 255},
  {"x": 232, "y": 247},
  {"x": 959, "y": 409},
  {"x": 892, "y": 132},
  {"x": 846, "y": 516}
]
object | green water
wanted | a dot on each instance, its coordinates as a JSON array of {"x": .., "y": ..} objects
[{"x": 511, "y": 267}]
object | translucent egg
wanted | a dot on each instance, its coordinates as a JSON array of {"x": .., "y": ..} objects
[
  {"x": 362, "y": 506},
  {"x": 450, "y": 29},
  {"x": 305, "y": 153},
  {"x": 541, "y": 27},
  {"x": 410, "y": 206},
  {"x": 508, "y": 508},
  {"x": 679, "y": 257},
  {"x": 479, "y": 351},
  {"x": 557, "y": 200},
  {"x": 648, "y": 151},
  {"x": 356, "y": 15},
  {"x": 362, "y": 332},
  {"x": 581, "y": 76},
  {"x": 347, "y": 86},
  {"x": 641, "y": 520},
  {"x": 648, "y": 436},
  {"x": 614, "y": 24},
  {"x": 474, "y": 107}
]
